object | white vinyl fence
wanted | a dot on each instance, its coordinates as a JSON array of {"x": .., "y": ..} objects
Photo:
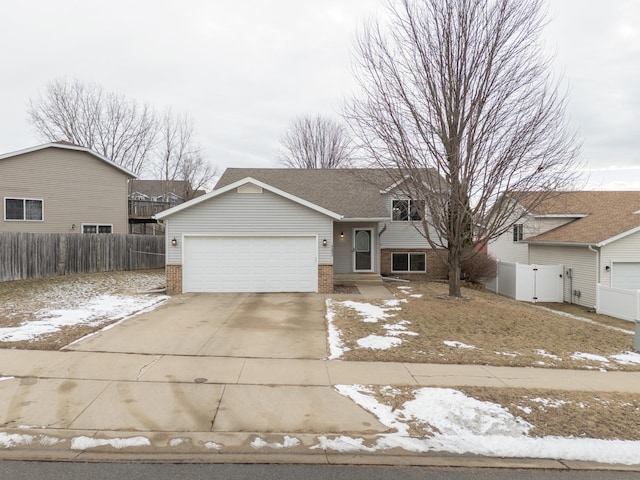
[
  {"x": 618, "y": 302},
  {"x": 528, "y": 283}
]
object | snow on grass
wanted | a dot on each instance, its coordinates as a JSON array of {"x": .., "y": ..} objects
[
  {"x": 461, "y": 424},
  {"x": 289, "y": 442},
  {"x": 336, "y": 346},
  {"x": 589, "y": 357},
  {"x": 379, "y": 342},
  {"x": 544, "y": 354},
  {"x": 455, "y": 344},
  {"x": 586, "y": 320},
  {"x": 84, "y": 443},
  {"x": 372, "y": 313},
  {"x": 92, "y": 312},
  {"x": 627, "y": 358}
]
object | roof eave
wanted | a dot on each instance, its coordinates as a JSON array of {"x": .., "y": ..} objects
[{"x": 234, "y": 185}]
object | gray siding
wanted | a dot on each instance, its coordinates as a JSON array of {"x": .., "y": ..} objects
[
  {"x": 76, "y": 188},
  {"x": 581, "y": 260},
  {"x": 401, "y": 234},
  {"x": 343, "y": 247},
  {"x": 627, "y": 249},
  {"x": 233, "y": 213}
]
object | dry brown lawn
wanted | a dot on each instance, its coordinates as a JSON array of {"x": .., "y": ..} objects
[{"x": 503, "y": 332}]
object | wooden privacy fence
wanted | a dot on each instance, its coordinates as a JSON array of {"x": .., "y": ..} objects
[{"x": 37, "y": 255}]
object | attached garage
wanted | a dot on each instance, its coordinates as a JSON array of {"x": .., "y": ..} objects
[
  {"x": 626, "y": 275},
  {"x": 250, "y": 264}
]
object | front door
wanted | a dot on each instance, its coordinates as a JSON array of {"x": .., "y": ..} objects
[{"x": 362, "y": 250}]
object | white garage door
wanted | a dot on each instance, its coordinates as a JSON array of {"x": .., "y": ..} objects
[
  {"x": 250, "y": 264},
  {"x": 626, "y": 275}
]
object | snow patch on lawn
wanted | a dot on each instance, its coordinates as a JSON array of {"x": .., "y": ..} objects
[
  {"x": 378, "y": 342},
  {"x": 586, "y": 320},
  {"x": 627, "y": 358},
  {"x": 589, "y": 357},
  {"x": 84, "y": 443},
  {"x": 372, "y": 313},
  {"x": 455, "y": 344},
  {"x": 336, "y": 346},
  {"x": 92, "y": 312},
  {"x": 461, "y": 424},
  {"x": 544, "y": 354}
]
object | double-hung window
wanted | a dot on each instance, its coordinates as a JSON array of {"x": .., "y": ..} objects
[
  {"x": 517, "y": 232},
  {"x": 28, "y": 209},
  {"x": 406, "y": 210}
]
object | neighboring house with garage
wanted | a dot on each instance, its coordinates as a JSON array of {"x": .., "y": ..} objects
[
  {"x": 295, "y": 230},
  {"x": 594, "y": 235},
  {"x": 62, "y": 188}
]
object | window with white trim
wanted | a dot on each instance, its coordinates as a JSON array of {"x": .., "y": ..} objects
[
  {"x": 96, "y": 228},
  {"x": 518, "y": 232},
  {"x": 408, "y": 262},
  {"x": 405, "y": 210},
  {"x": 27, "y": 209}
]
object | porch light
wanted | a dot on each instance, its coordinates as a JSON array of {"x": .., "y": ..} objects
[
  {"x": 324, "y": 242},
  {"x": 174, "y": 242},
  {"x": 341, "y": 234}
]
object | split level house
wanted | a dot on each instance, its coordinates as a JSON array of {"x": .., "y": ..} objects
[
  {"x": 294, "y": 230},
  {"x": 595, "y": 236},
  {"x": 62, "y": 188}
]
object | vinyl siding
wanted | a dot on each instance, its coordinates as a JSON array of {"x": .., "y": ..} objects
[
  {"x": 233, "y": 213},
  {"x": 581, "y": 260},
  {"x": 627, "y": 249},
  {"x": 342, "y": 247},
  {"x": 503, "y": 248},
  {"x": 401, "y": 234},
  {"x": 76, "y": 188}
]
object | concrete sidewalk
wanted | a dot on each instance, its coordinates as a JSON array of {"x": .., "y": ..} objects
[{"x": 82, "y": 405}]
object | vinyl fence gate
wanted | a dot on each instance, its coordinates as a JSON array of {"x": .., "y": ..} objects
[{"x": 529, "y": 283}]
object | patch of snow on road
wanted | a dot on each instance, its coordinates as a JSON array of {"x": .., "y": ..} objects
[
  {"x": 454, "y": 344},
  {"x": 466, "y": 425},
  {"x": 378, "y": 342},
  {"x": 11, "y": 440},
  {"x": 627, "y": 358},
  {"x": 174, "y": 442},
  {"x": 289, "y": 442},
  {"x": 84, "y": 443},
  {"x": 91, "y": 312},
  {"x": 212, "y": 446}
]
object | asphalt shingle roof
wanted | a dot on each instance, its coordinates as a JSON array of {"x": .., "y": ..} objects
[
  {"x": 353, "y": 193},
  {"x": 606, "y": 215}
]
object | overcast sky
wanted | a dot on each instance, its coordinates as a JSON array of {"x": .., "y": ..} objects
[{"x": 244, "y": 68}]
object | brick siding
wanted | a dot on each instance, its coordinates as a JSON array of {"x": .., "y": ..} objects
[
  {"x": 174, "y": 279},
  {"x": 325, "y": 278}
]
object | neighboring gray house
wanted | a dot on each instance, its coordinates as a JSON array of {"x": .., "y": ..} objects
[
  {"x": 595, "y": 235},
  {"x": 62, "y": 188},
  {"x": 294, "y": 230}
]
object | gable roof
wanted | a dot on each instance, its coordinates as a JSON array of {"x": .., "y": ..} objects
[
  {"x": 155, "y": 188},
  {"x": 244, "y": 181},
  {"x": 600, "y": 217},
  {"x": 68, "y": 146},
  {"x": 353, "y": 193}
]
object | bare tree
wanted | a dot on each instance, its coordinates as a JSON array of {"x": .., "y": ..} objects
[
  {"x": 118, "y": 128},
  {"x": 459, "y": 105},
  {"x": 179, "y": 157},
  {"x": 315, "y": 142}
]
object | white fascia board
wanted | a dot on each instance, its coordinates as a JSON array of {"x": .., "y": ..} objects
[
  {"x": 366, "y": 219},
  {"x": 559, "y": 244},
  {"x": 560, "y": 215},
  {"x": 618, "y": 237},
  {"x": 239, "y": 183},
  {"x": 68, "y": 147}
]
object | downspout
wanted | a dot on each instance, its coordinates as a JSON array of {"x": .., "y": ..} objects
[{"x": 597, "y": 252}]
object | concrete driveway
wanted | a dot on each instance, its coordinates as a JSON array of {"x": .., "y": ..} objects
[{"x": 222, "y": 325}]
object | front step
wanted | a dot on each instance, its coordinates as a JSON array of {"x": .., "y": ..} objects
[{"x": 357, "y": 279}]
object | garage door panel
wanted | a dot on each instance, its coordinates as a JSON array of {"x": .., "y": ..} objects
[
  {"x": 626, "y": 275},
  {"x": 250, "y": 264}
]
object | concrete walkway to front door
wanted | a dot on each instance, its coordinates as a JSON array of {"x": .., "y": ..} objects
[{"x": 247, "y": 325}]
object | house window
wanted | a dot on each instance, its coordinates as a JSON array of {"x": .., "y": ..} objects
[
  {"x": 405, "y": 210},
  {"x": 517, "y": 232},
  {"x": 96, "y": 228},
  {"x": 408, "y": 262},
  {"x": 23, "y": 209}
]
